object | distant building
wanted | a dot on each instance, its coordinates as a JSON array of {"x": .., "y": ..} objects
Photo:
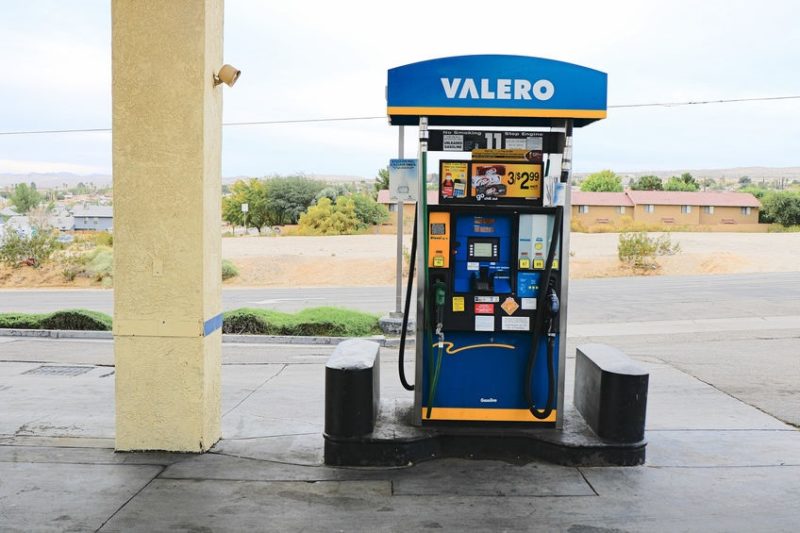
[
  {"x": 408, "y": 207},
  {"x": 601, "y": 207},
  {"x": 61, "y": 219},
  {"x": 666, "y": 208},
  {"x": 93, "y": 218}
]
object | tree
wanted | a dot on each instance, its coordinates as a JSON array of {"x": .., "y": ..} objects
[
  {"x": 24, "y": 198},
  {"x": 327, "y": 218},
  {"x": 251, "y": 192},
  {"x": 781, "y": 207},
  {"x": 332, "y": 192},
  {"x": 708, "y": 183},
  {"x": 683, "y": 183},
  {"x": 382, "y": 180},
  {"x": 288, "y": 198},
  {"x": 603, "y": 181},
  {"x": 368, "y": 211},
  {"x": 744, "y": 181},
  {"x": 647, "y": 183}
]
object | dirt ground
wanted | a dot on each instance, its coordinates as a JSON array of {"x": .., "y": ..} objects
[{"x": 369, "y": 260}]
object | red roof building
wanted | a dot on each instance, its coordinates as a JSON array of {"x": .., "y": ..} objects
[{"x": 666, "y": 208}]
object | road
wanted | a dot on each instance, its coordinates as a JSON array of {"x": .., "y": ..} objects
[
  {"x": 637, "y": 299},
  {"x": 738, "y": 333}
]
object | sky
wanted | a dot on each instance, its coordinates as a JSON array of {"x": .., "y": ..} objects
[{"x": 322, "y": 59}]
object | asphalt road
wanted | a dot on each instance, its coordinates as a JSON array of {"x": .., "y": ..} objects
[{"x": 590, "y": 300}]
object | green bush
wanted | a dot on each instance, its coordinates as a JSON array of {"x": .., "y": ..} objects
[
  {"x": 327, "y": 218},
  {"x": 77, "y": 319},
  {"x": 229, "y": 270},
  {"x": 639, "y": 251},
  {"x": 100, "y": 264},
  {"x": 103, "y": 238},
  {"x": 20, "y": 320},
  {"x": 368, "y": 211},
  {"x": 324, "y": 321},
  {"x": 33, "y": 250},
  {"x": 70, "y": 319}
]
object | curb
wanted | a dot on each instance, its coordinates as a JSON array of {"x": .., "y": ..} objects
[{"x": 226, "y": 338}]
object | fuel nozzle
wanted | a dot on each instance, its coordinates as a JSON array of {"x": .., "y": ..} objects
[
  {"x": 553, "y": 305},
  {"x": 439, "y": 291}
]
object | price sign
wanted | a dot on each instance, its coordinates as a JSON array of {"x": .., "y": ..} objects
[{"x": 497, "y": 180}]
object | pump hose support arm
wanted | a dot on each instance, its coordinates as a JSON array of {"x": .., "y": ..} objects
[
  {"x": 545, "y": 314},
  {"x": 404, "y": 328}
]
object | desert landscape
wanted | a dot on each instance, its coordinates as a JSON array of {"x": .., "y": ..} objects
[{"x": 369, "y": 260}]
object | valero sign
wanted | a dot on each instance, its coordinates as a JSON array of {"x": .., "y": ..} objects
[{"x": 495, "y": 89}]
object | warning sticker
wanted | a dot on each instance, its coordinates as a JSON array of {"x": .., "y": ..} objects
[
  {"x": 458, "y": 304},
  {"x": 510, "y": 305},
  {"x": 528, "y": 304},
  {"x": 516, "y": 323},
  {"x": 484, "y": 309},
  {"x": 484, "y": 323}
]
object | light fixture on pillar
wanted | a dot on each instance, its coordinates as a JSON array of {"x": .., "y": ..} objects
[{"x": 227, "y": 75}]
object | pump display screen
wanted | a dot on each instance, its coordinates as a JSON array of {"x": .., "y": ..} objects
[
  {"x": 438, "y": 229},
  {"x": 482, "y": 249}
]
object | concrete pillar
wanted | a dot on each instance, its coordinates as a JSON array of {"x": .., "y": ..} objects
[{"x": 167, "y": 296}]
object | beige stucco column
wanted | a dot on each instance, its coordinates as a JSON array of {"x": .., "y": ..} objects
[{"x": 167, "y": 287}]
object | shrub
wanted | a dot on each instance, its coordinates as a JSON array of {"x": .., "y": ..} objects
[
  {"x": 70, "y": 267},
  {"x": 20, "y": 320},
  {"x": 33, "y": 250},
  {"x": 327, "y": 218},
  {"x": 100, "y": 264},
  {"x": 229, "y": 270},
  {"x": 103, "y": 238},
  {"x": 70, "y": 319},
  {"x": 327, "y": 321},
  {"x": 77, "y": 319},
  {"x": 639, "y": 251}
]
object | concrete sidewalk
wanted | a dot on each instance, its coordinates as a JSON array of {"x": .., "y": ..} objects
[{"x": 714, "y": 462}]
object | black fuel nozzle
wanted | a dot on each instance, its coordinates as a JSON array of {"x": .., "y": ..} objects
[{"x": 553, "y": 304}]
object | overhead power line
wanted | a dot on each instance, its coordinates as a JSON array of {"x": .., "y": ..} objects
[
  {"x": 703, "y": 102},
  {"x": 344, "y": 119}
]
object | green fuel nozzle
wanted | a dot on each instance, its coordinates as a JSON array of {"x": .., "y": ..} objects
[{"x": 439, "y": 291}]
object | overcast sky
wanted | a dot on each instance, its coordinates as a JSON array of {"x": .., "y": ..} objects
[{"x": 323, "y": 59}]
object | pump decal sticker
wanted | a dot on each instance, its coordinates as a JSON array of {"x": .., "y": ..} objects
[
  {"x": 484, "y": 323},
  {"x": 516, "y": 323},
  {"x": 484, "y": 309},
  {"x": 510, "y": 306},
  {"x": 448, "y": 347},
  {"x": 528, "y": 304},
  {"x": 458, "y": 304}
]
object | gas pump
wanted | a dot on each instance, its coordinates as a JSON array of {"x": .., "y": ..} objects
[
  {"x": 492, "y": 282},
  {"x": 492, "y": 265}
]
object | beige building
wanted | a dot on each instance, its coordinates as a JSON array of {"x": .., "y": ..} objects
[
  {"x": 592, "y": 208},
  {"x": 666, "y": 208}
]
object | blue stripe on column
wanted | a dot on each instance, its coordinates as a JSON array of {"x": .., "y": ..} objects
[{"x": 212, "y": 324}]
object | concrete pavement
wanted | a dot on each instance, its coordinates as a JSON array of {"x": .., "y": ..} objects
[{"x": 717, "y": 460}]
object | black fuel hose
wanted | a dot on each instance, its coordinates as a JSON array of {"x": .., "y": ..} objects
[
  {"x": 543, "y": 318},
  {"x": 404, "y": 328}
]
